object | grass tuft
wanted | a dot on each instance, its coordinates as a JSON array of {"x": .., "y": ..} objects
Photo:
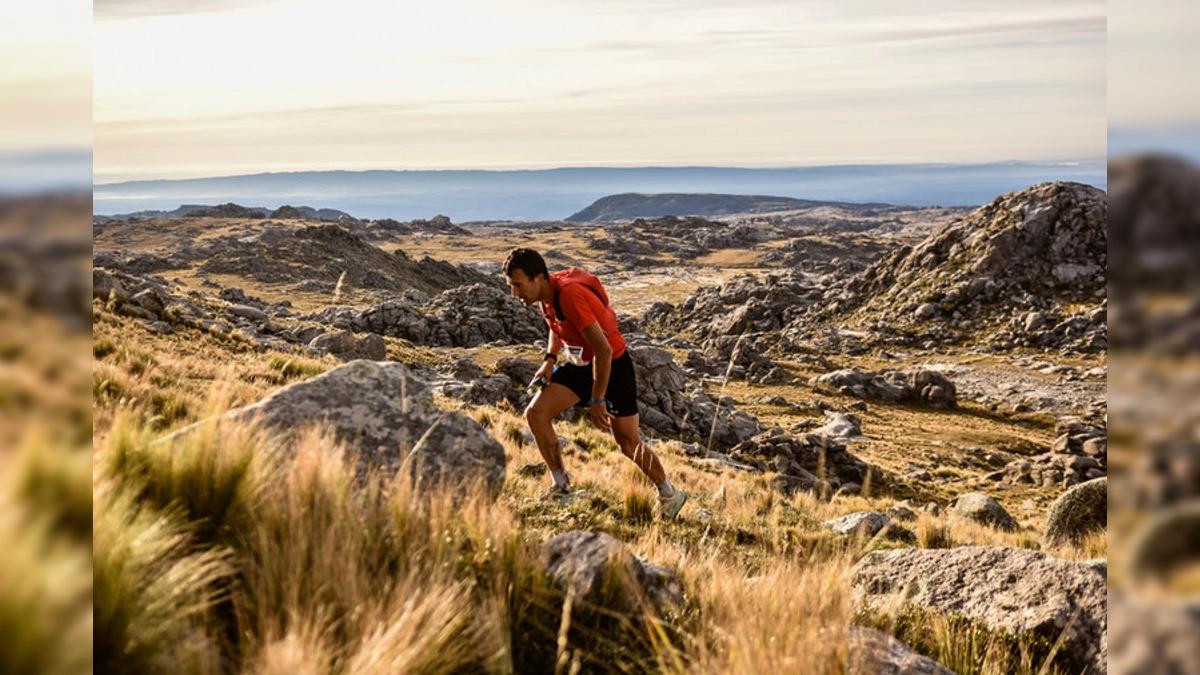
[{"x": 102, "y": 348}]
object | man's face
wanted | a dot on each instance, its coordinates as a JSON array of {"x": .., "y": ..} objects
[{"x": 526, "y": 289}]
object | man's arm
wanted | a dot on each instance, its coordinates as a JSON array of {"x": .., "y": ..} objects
[
  {"x": 601, "y": 370},
  {"x": 555, "y": 346}
]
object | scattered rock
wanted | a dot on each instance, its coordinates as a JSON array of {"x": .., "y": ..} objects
[
  {"x": 247, "y": 312},
  {"x": 861, "y": 523},
  {"x": 105, "y": 286},
  {"x": 337, "y": 342},
  {"x": 870, "y": 652},
  {"x": 1077, "y": 513},
  {"x": 811, "y": 452},
  {"x": 670, "y": 406},
  {"x": 914, "y": 385},
  {"x": 604, "y": 574},
  {"x": 980, "y": 508}
]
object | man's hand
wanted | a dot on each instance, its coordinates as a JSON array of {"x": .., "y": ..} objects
[
  {"x": 546, "y": 371},
  {"x": 600, "y": 416}
]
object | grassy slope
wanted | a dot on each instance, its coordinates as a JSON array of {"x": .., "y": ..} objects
[{"x": 765, "y": 582}]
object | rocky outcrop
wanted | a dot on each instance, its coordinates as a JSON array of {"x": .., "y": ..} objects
[
  {"x": 1079, "y": 453},
  {"x": 736, "y": 358},
  {"x": 289, "y": 212},
  {"x": 1019, "y": 591},
  {"x": 229, "y": 210},
  {"x": 104, "y": 286},
  {"x": 389, "y": 416},
  {"x": 742, "y": 305},
  {"x": 467, "y": 316},
  {"x": 1077, "y": 513},
  {"x": 671, "y": 405},
  {"x": 319, "y": 255},
  {"x": 602, "y": 573},
  {"x": 136, "y": 262},
  {"x": 387, "y": 229},
  {"x": 916, "y": 385},
  {"x": 976, "y": 280}
]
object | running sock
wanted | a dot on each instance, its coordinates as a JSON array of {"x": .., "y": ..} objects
[
  {"x": 665, "y": 489},
  {"x": 560, "y": 478}
]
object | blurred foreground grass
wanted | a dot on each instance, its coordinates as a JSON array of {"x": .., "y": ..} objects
[{"x": 45, "y": 430}]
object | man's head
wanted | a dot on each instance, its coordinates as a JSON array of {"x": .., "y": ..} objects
[{"x": 528, "y": 276}]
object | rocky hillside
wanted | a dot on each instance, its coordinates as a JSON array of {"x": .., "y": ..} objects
[
  {"x": 633, "y": 205},
  {"x": 312, "y": 258},
  {"x": 1029, "y": 269},
  {"x": 822, "y": 399}
]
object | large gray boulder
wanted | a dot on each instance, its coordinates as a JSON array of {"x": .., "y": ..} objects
[
  {"x": 104, "y": 285},
  {"x": 982, "y": 509},
  {"x": 1020, "y": 591},
  {"x": 336, "y": 342},
  {"x": 369, "y": 347},
  {"x": 604, "y": 573},
  {"x": 870, "y": 652},
  {"x": 670, "y": 405},
  {"x": 390, "y": 417},
  {"x": 1077, "y": 513}
]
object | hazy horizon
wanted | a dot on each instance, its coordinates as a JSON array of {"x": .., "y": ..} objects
[
  {"x": 552, "y": 194},
  {"x": 187, "y": 89},
  {"x": 1068, "y": 162}
]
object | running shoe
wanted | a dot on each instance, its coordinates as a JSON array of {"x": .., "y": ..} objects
[
  {"x": 557, "y": 493},
  {"x": 671, "y": 505}
]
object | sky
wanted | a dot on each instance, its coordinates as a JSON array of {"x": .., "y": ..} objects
[{"x": 184, "y": 88}]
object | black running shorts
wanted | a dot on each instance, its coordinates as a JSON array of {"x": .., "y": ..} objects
[{"x": 622, "y": 385}]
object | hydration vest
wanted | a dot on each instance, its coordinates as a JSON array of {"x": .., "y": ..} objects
[{"x": 575, "y": 275}]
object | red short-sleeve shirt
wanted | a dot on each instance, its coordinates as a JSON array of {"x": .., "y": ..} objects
[{"x": 581, "y": 307}]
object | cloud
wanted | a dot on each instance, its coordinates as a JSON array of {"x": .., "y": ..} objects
[{"x": 105, "y": 10}]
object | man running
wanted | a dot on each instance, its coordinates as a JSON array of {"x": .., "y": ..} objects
[{"x": 596, "y": 368}]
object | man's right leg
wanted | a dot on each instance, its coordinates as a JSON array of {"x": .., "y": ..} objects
[{"x": 548, "y": 404}]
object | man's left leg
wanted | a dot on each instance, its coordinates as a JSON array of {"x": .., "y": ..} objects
[{"x": 629, "y": 438}]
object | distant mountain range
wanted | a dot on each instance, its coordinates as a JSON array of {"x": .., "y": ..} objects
[
  {"x": 635, "y": 205},
  {"x": 553, "y": 194},
  {"x": 207, "y": 209}
]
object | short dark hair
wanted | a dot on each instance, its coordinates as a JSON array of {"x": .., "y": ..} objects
[{"x": 528, "y": 261}]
